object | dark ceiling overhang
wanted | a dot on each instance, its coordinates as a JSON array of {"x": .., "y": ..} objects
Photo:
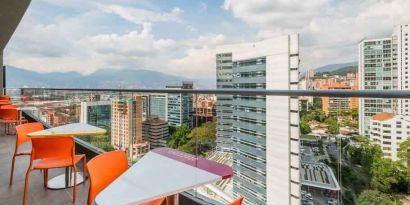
[{"x": 11, "y": 13}]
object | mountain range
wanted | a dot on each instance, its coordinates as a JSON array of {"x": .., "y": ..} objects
[
  {"x": 333, "y": 67},
  {"x": 125, "y": 78},
  {"x": 103, "y": 78}
]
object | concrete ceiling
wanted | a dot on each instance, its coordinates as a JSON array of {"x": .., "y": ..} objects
[{"x": 11, "y": 13}]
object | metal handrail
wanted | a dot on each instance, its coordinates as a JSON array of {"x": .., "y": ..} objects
[{"x": 291, "y": 93}]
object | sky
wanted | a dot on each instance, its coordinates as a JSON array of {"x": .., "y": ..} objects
[{"x": 179, "y": 37}]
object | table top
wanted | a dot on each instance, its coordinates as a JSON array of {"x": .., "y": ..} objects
[
  {"x": 75, "y": 129},
  {"x": 162, "y": 172}
]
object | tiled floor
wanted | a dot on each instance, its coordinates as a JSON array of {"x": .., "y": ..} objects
[{"x": 37, "y": 194}]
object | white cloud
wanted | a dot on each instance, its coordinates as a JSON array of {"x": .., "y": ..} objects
[
  {"x": 139, "y": 16},
  {"x": 329, "y": 30}
]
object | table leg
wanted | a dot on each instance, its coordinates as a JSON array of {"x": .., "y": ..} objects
[
  {"x": 65, "y": 180},
  {"x": 174, "y": 199}
]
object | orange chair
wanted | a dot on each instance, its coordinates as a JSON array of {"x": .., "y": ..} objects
[
  {"x": 5, "y": 97},
  {"x": 10, "y": 106},
  {"x": 101, "y": 177},
  {"x": 237, "y": 201},
  {"x": 55, "y": 152},
  {"x": 21, "y": 138},
  {"x": 9, "y": 117}
]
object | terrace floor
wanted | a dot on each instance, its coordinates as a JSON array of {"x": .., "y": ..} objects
[{"x": 37, "y": 194}]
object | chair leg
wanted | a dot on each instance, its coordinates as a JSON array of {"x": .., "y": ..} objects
[
  {"x": 45, "y": 178},
  {"x": 75, "y": 183},
  {"x": 12, "y": 169},
  {"x": 85, "y": 171},
  {"x": 26, "y": 187}
]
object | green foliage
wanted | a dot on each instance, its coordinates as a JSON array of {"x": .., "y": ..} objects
[
  {"x": 179, "y": 137},
  {"x": 317, "y": 103},
  {"x": 364, "y": 153},
  {"x": 404, "y": 153},
  {"x": 102, "y": 142},
  {"x": 304, "y": 126},
  {"x": 389, "y": 176},
  {"x": 201, "y": 139},
  {"x": 333, "y": 127},
  {"x": 373, "y": 197}
]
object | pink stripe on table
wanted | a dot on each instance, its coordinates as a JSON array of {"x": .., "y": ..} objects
[{"x": 208, "y": 165}]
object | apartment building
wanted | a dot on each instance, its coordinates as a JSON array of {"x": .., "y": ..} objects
[
  {"x": 377, "y": 71},
  {"x": 389, "y": 130},
  {"x": 263, "y": 130},
  {"x": 126, "y": 126},
  {"x": 402, "y": 37},
  {"x": 333, "y": 105}
]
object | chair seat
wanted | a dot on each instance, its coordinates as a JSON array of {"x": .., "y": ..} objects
[{"x": 49, "y": 163}]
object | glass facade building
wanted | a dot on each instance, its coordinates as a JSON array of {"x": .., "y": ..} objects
[{"x": 96, "y": 113}]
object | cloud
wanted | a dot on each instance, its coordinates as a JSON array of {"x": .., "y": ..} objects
[
  {"x": 139, "y": 16},
  {"x": 329, "y": 30}
]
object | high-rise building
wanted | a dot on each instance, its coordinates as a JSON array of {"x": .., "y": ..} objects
[
  {"x": 401, "y": 36},
  {"x": 156, "y": 132},
  {"x": 389, "y": 130},
  {"x": 180, "y": 105},
  {"x": 264, "y": 130},
  {"x": 224, "y": 107},
  {"x": 158, "y": 106},
  {"x": 97, "y": 113},
  {"x": 377, "y": 71},
  {"x": 126, "y": 126}
]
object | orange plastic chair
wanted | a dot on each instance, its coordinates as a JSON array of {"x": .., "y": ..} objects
[
  {"x": 5, "y": 97},
  {"x": 101, "y": 177},
  {"x": 9, "y": 117},
  {"x": 53, "y": 152},
  {"x": 237, "y": 201},
  {"x": 10, "y": 106},
  {"x": 21, "y": 138}
]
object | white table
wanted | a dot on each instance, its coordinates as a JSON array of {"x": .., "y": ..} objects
[
  {"x": 161, "y": 172},
  {"x": 76, "y": 129}
]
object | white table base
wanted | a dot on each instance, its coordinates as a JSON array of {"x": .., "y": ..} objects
[{"x": 64, "y": 181}]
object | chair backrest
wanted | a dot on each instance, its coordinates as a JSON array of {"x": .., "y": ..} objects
[
  {"x": 237, "y": 201},
  {"x": 4, "y": 97},
  {"x": 9, "y": 114},
  {"x": 101, "y": 175},
  {"x": 10, "y": 106},
  {"x": 52, "y": 147},
  {"x": 24, "y": 129}
]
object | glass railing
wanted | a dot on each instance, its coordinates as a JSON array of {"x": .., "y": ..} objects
[{"x": 330, "y": 147}]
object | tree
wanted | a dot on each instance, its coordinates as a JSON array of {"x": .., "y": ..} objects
[
  {"x": 332, "y": 126},
  {"x": 304, "y": 126},
  {"x": 373, "y": 197},
  {"x": 364, "y": 153},
  {"x": 179, "y": 137},
  {"x": 201, "y": 139},
  {"x": 404, "y": 152},
  {"x": 317, "y": 103},
  {"x": 389, "y": 176}
]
